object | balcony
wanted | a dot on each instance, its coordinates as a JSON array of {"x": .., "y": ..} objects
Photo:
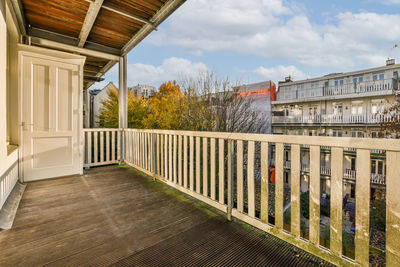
[
  {"x": 199, "y": 164},
  {"x": 337, "y": 90},
  {"x": 333, "y": 119}
]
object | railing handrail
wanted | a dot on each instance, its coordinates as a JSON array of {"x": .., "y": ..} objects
[{"x": 342, "y": 142}]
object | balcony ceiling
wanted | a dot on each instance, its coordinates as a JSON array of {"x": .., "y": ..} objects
[{"x": 102, "y": 30}]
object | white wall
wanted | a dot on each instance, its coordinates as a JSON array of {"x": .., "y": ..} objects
[{"x": 3, "y": 86}]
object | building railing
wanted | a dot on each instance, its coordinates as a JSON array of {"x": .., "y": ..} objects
[
  {"x": 336, "y": 119},
  {"x": 9, "y": 178},
  {"x": 102, "y": 146},
  {"x": 202, "y": 165},
  {"x": 344, "y": 89}
]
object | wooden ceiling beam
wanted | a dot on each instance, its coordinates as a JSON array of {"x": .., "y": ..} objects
[
  {"x": 19, "y": 13},
  {"x": 164, "y": 12},
  {"x": 90, "y": 18},
  {"x": 131, "y": 16},
  {"x": 73, "y": 49}
]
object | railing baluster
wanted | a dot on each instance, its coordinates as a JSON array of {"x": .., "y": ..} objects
[
  {"x": 158, "y": 154},
  {"x": 95, "y": 144},
  {"x": 314, "y": 194},
  {"x": 279, "y": 186},
  {"x": 264, "y": 182},
  {"x": 230, "y": 182},
  {"x": 191, "y": 167},
  {"x": 205, "y": 166},
  {"x": 212, "y": 165},
  {"x": 162, "y": 156},
  {"x": 198, "y": 160},
  {"x": 119, "y": 145},
  {"x": 175, "y": 159},
  {"x": 180, "y": 159},
  {"x": 108, "y": 146},
  {"x": 250, "y": 179},
  {"x": 221, "y": 168},
  {"x": 101, "y": 146},
  {"x": 166, "y": 156},
  {"x": 89, "y": 147},
  {"x": 392, "y": 209},
  {"x": 363, "y": 176},
  {"x": 185, "y": 161},
  {"x": 239, "y": 173},
  {"x": 336, "y": 201},
  {"x": 170, "y": 177},
  {"x": 113, "y": 146},
  {"x": 295, "y": 190}
]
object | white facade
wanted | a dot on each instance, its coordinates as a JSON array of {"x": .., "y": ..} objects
[
  {"x": 144, "y": 91},
  {"x": 343, "y": 105},
  {"x": 96, "y": 103}
]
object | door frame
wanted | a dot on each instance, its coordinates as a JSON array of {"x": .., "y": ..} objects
[{"x": 63, "y": 57}]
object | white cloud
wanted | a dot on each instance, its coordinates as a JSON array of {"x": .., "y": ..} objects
[
  {"x": 392, "y": 2},
  {"x": 170, "y": 69},
  {"x": 280, "y": 30},
  {"x": 279, "y": 73}
]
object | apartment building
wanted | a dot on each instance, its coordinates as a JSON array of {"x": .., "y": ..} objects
[
  {"x": 144, "y": 91},
  {"x": 339, "y": 104}
]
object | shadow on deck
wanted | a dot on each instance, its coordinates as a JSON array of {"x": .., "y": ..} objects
[{"x": 117, "y": 216}]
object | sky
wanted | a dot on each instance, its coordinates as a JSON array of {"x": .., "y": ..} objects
[{"x": 258, "y": 40}]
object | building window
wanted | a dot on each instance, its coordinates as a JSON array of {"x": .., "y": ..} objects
[
  {"x": 337, "y": 108},
  {"x": 357, "y": 108},
  {"x": 381, "y": 76},
  {"x": 357, "y": 134}
]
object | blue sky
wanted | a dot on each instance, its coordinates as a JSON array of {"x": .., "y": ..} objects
[{"x": 258, "y": 40}]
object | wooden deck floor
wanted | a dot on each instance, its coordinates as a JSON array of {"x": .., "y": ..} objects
[{"x": 116, "y": 216}]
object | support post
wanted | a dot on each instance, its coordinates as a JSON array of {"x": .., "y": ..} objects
[{"x": 123, "y": 102}]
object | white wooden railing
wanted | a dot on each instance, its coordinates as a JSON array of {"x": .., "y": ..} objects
[
  {"x": 102, "y": 146},
  {"x": 336, "y": 119},
  {"x": 344, "y": 89},
  {"x": 202, "y": 164},
  {"x": 9, "y": 178}
]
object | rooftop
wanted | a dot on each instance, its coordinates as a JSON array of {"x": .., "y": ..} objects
[{"x": 117, "y": 216}]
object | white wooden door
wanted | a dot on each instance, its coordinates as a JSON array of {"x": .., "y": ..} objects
[{"x": 50, "y": 118}]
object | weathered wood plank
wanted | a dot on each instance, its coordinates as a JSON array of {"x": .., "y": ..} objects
[{"x": 198, "y": 164}]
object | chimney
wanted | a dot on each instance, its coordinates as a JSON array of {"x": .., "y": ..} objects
[
  {"x": 390, "y": 61},
  {"x": 288, "y": 79}
]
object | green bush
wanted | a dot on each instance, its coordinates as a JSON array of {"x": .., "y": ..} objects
[
  {"x": 378, "y": 215},
  {"x": 305, "y": 205}
]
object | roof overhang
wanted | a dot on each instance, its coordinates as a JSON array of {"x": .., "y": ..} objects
[{"x": 102, "y": 30}]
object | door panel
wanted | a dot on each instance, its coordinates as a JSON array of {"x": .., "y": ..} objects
[{"x": 50, "y": 118}]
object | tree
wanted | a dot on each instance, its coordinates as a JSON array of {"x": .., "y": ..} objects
[
  {"x": 137, "y": 110},
  {"x": 213, "y": 106},
  {"x": 166, "y": 109},
  {"x": 390, "y": 124}
]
